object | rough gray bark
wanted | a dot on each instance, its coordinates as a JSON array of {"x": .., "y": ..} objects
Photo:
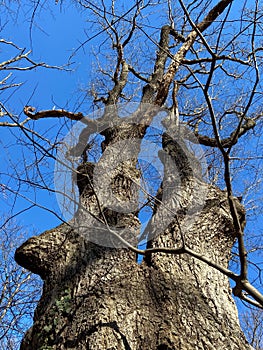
[{"x": 100, "y": 298}]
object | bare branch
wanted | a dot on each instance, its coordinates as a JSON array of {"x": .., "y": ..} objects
[
  {"x": 56, "y": 113},
  {"x": 180, "y": 55}
]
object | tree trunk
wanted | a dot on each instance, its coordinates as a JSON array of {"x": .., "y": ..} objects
[{"x": 98, "y": 297}]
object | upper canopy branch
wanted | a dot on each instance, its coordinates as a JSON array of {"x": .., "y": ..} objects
[
  {"x": 158, "y": 72},
  {"x": 178, "y": 58},
  {"x": 23, "y": 56},
  {"x": 229, "y": 141},
  {"x": 217, "y": 58}
]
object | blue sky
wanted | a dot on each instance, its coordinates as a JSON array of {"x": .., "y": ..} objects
[{"x": 51, "y": 40}]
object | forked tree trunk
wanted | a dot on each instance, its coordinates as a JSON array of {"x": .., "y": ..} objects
[{"x": 96, "y": 297}]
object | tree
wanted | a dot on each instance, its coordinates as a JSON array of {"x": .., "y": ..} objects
[
  {"x": 95, "y": 294},
  {"x": 19, "y": 289}
]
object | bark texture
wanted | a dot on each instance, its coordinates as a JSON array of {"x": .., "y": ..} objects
[{"x": 96, "y": 297}]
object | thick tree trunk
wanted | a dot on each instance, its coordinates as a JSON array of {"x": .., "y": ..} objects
[{"x": 98, "y": 297}]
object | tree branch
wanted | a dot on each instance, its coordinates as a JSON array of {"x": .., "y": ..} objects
[{"x": 167, "y": 79}]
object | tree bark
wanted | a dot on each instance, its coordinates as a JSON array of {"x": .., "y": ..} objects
[{"x": 97, "y": 297}]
